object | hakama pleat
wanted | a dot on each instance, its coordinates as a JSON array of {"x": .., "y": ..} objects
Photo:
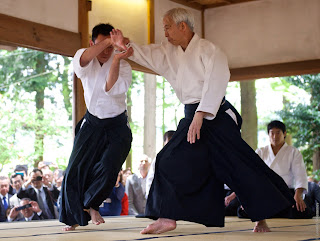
[
  {"x": 100, "y": 148},
  {"x": 189, "y": 178}
]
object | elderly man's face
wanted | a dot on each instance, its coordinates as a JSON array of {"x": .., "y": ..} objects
[
  {"x": 172, "y": 31},
  {"x": 4, "y": 186}
]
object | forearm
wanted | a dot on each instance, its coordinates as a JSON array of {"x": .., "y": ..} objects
[
  {"x": 113, "y": 74},
  {"x": 93, "y": 51}
]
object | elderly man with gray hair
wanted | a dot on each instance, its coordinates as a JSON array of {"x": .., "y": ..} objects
[{"x": 198, "y": 72}]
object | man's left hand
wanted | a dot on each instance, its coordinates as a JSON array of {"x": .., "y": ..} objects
[{"x": 301, "y": 206}]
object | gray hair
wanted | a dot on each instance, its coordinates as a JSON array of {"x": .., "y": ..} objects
[{"x": 179, "y": 15}]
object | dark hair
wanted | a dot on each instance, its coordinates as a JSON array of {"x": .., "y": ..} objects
[
  {"x": 276, "y": 124},
  {"x": 168, "y": 135},
  {"x": 37, "y": 170},
  {"x": 14, "y": 176},
  {"x": 21, "y": 168},
  {"x": 102, "y": 28}
]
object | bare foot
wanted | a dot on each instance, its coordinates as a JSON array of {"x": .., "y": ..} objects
[
  {"x": 96, "y": 217},
  {"x": 162, "y": 225},
  {"x": 70, "y": 228},
  {"x": 261, "y": 227}
]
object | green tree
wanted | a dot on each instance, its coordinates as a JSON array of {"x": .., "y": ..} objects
[
  {"x": 303, "y": 119},
  {"x": 28, "y": 71}
]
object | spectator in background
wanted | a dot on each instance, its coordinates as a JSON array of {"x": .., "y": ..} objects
[
  {"x": 45, "y": 197},
  {"x": 4, "y": 196},
  {"x": 127, "y": 172},
  {"x": 166, "y": 138},
  {"x": 136, "y": 188},
  {"x": 47, "y": 177},
  {"x": 112, "y": 205},
  {"x": 16, "y": 183},
  {"x": 288, "y": 163},
  {"x": 29, "y": 210},
  {"x": 23, "y": 171},
  {"x": 58, "y": 177}
]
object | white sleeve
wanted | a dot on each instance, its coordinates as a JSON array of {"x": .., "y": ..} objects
[
  {"x": 152, "y": 56},
  {"x": 123, "y": 82},
  {"x": 216, "y": 80},
  {"x": 299, "y": 171},
  {"x": 80, "y": 71}
]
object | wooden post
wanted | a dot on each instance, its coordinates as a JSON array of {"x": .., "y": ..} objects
[{"x": 79, "y": 106}]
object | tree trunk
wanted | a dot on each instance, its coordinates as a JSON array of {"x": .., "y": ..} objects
[
  {"x": 316, "y": 159},
  {"x": 149, "y": 134},
  {"x": 39, "y": 136},
  {"x": 249, "y": 128}
]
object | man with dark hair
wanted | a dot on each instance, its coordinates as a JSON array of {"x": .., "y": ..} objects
[
  {"x": 16, "y": 183},
  {"x": 36, "y": 191},
  {"x": 288, "y": 163},
  {"x": 103, "y": 137}
]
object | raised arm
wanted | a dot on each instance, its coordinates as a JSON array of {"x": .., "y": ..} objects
[
  {"x": 94, "y": 50},
  {"x": 115, "y": 68}
]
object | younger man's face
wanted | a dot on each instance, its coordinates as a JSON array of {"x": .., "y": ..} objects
[{"x": 104, "y": 56}]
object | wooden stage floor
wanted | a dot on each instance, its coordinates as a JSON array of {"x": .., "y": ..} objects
[{"x": 128, "y": 228}]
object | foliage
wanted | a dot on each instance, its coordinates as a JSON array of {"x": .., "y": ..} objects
[
  {"x": 303, "y": 119},
  {"x": 26, "y": 78}
]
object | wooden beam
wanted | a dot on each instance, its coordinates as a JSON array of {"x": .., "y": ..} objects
[
  {"x": 140, "y": 68},
  {"x": 194, "y": 5},
  {"x": 276, "y": 70},
  {"x": 151, "y": 28},
  {"x": 20, "y": 32}
]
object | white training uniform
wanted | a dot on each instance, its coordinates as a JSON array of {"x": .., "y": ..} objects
[
  {"x": 288, "y": 163},
  {"x": 189, "y": 72},
  {"x": 101, "y": 103}
]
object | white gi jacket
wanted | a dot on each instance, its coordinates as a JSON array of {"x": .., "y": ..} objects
[
  {"x": 101, "y": 103},
  {"x": 288, "y": 163},
  {"x": 198, "y": 74}
]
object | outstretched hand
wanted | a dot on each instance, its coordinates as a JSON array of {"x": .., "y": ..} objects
[{"x": 118, "y": 40}]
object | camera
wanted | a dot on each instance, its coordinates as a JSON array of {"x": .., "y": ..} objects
[
  {"x": 38, "y": 178},
  {"x": 23, "y": 207}
]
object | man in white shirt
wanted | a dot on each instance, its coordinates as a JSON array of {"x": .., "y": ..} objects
[
  {"x": 198, "y": 72},
  {"x": 103, "y": 138},
  {"x": 288, "y": 163}
]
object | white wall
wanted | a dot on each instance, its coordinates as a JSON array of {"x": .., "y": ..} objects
[
  {"x": 131, "y": 16},
  {"x": 61, "y": 14},
  {"x": 161, "y": 7},
  {"x": 266, "y": 32}
]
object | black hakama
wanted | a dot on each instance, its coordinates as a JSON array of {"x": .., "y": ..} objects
[
  {"x": 189, "y": 178},
  {"x": 100, "y": 148}
]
